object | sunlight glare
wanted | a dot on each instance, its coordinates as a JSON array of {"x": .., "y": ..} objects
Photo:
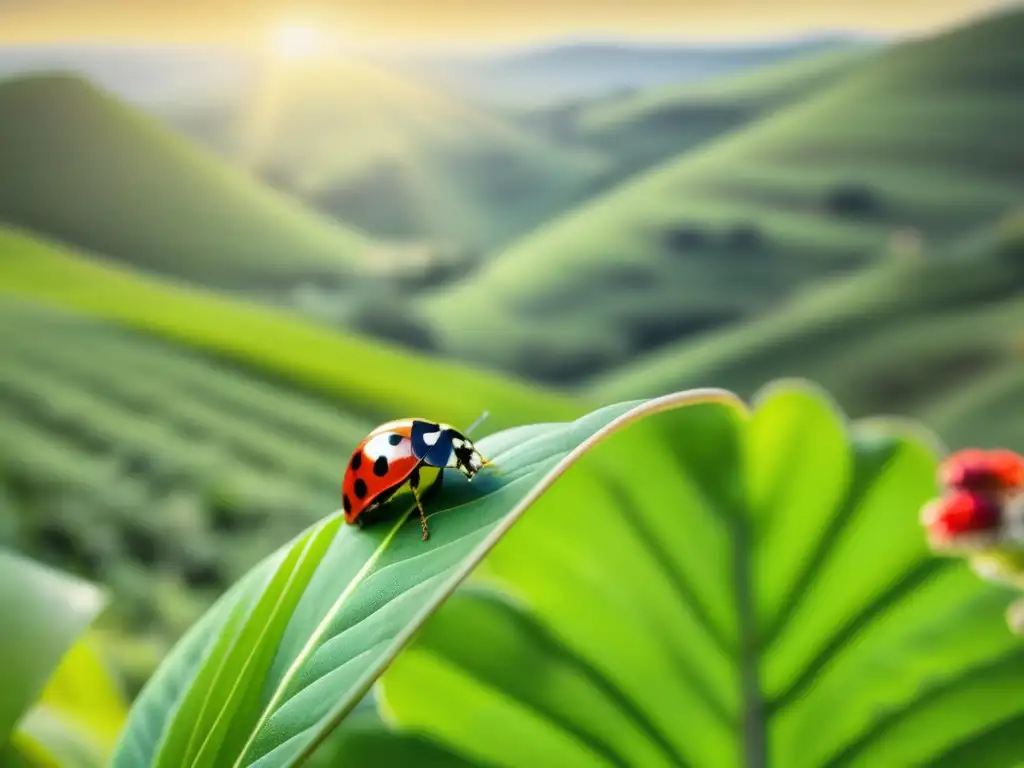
[{"x": 297, "y": 41}]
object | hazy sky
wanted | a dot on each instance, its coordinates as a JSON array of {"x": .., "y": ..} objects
[{"x": 467, "y": 20}]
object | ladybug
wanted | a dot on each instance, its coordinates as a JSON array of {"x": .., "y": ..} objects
[{"x": 391, "y": 456}]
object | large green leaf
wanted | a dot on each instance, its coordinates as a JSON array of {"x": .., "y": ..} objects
[
  {"x": 713, "y": 590},
  {"x": 364, "y": 740},
  {"x": 282, "y": 658},
  {"x": 42, "y": 612}
]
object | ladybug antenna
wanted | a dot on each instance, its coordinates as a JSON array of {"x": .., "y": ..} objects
[{"x": 480, "y": 419}]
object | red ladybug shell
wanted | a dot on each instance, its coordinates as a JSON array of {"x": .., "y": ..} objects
[{"x": 382, "y": 462}]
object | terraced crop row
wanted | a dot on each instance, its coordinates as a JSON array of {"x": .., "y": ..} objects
[
  {"x": 69, "y": 338},
  {"x": 151, "y": 469}
]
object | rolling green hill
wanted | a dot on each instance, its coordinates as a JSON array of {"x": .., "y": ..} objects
[
  {"x": 83, "y": 168},
  {"x": 939, "y": 336},
  {"x": 642, "y": 128},
  {"x": 925, "y": 136},
  {"x": 394, "y": 158}
]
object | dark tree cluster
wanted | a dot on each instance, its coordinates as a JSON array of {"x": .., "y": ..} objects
[{"x": 741, "y": 238}]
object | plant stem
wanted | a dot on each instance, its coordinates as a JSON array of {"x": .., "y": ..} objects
[{"x": 754, "y": 737}]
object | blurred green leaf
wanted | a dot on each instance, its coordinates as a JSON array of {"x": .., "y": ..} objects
[
  {"x": 713, "y": 590},
  {"x": 77, "y": 720},
  {"x": 43, "y": 612},
  {"x": 364, "y": 740},
  {"x": 278, "y": 662}
]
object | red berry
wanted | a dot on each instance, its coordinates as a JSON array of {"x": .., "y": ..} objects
[
  {"x": 977, "y": 470},
  {"x": 962, "y": 513},
  {"x": 1010, "y": 467}
]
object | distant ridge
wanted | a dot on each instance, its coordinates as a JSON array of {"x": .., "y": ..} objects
[
  {"x": 143, "y": 74},
  {"x": 541, "y": 73}
]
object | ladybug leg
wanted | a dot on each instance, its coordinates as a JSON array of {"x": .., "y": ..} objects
[{"x": 414, "y": 484}]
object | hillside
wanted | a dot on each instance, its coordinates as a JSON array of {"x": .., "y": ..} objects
[
  {"x": 924, "y": 137},
  {"x": 83, "y": 168},
  {"x": 372, "y": 379},
  {"x": 641, "y": 128},
  {"x": 939, "y": 336},
  {"x": 394, "y": 158}
]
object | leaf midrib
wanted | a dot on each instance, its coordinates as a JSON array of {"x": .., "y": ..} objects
[{"x": 754, "y": 720}]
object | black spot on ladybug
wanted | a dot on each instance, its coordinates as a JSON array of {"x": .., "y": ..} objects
[
  {"x": 345, "y": 503},
  {"x": 394, "y": 439},
  {"x": 380, "y": 466},
  {"x": 360, "y": 488},
  {"x": 357, "y": 459}
]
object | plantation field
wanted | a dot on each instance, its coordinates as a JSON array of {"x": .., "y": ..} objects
[
  {"x": 83, "y": 168},
  {"x": 166, "y": 481},
  {"x": 922, "y": 140},
  {"x": 938, "y": 335}
]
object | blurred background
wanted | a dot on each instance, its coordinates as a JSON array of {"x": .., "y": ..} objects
[{"x": 235, "y": 236}]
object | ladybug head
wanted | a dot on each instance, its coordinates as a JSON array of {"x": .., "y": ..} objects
[
  {"x": 999, "y": 472},
  {"x": 465, "y": 457},
  {"x": 963, "y": 521}
]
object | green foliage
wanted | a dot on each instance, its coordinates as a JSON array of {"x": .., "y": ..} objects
[
  {"x": 680, "y": 593},
  {"x": 363, "y": 739},
  {"x": 280, "y": 660},
  {"x": 762, "y": 595},
  {"x": 929, "y": 126},
  {"x": 82, "y": 168}
]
